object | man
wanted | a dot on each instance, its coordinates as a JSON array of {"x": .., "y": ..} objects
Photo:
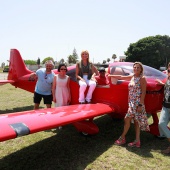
[
  {"x": 102, "y": 79},
  {"x": 43, "y": 88}
]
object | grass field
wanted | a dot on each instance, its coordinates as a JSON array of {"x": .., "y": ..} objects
[{"x": 66, "y": 149}]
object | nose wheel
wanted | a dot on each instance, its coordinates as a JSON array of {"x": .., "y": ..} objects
[
  {"x": 84, "y": 134},
  {"x": 86, "y": 127}
]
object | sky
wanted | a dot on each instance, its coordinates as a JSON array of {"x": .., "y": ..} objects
[{"x": 41, "y": 28}]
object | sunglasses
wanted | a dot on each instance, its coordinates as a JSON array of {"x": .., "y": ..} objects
[
  {"x": 63, "y": 69},
  {"x": 102, "y": 71},
  {"x": 168, "y": 71},
  {"x": 46, "y": 76}
]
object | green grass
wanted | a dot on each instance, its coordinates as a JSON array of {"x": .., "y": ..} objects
[{"x": 66, "y": 149}]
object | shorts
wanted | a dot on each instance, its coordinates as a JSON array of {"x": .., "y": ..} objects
[{"x": 47, "y": 98}]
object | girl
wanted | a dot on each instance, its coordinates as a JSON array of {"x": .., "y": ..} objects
[{"x": 61, "y": 89}]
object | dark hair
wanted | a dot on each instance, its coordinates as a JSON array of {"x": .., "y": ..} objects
[
  {"x": 59, "y": 67},
  {"x": 102, "y": 69}
]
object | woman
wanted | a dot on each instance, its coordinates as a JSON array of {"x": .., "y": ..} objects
[
  {"x": 136, "y": 107},
  {"x": 165, "y": 112},
  {"x": 61, "y": 89},
  {"x": 85, "y": 74}
]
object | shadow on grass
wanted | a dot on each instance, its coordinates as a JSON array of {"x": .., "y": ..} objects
[
  {"x": 18, "y": 109},
  {"x": 68, "y": 150},
  {"x": 149, "y": 143}
]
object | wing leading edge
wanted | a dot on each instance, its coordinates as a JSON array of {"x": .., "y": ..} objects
[{"x": 17, "y": 124}]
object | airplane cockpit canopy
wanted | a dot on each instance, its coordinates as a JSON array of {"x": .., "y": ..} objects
[{"x": 125, "y": 68}]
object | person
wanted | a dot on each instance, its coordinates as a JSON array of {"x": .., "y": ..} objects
[
  {"x": 165, "y": 112},
  {"x": 85, "y": 74},
  {"x": 136, "y": 108},
  {"x": 102, "y": 79},
  {"x": 61, "y": 88},
  {"x": 43, "y": 86}
]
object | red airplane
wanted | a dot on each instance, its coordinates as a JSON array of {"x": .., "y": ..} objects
[{"x": 109, "y": 99}]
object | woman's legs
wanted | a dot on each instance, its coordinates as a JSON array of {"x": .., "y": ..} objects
[
  {"x": 137, "y": 130},
  {"x": 127, "y": 121},
  {"x": 92, "y": 86},
  {"x": 82, "y": 89},
  {"x": 122, "y": 140},
  {"x": 136, "y": 143}
]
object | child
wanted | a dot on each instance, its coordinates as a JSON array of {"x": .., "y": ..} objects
[{"x": 61, "y": 89}]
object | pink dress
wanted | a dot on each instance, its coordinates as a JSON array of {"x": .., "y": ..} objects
[
  {"x": 62, "y": 92},
  {"x": 134, "y": 100}
]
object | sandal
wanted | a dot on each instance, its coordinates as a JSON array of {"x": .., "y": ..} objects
[
  {"x": 135, "y": 144},
  {"x": 166, "y": 151},
  {"x": 120, "y": 141}
]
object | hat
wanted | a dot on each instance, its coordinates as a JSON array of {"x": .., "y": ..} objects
[{"x": 101, "y": 69}]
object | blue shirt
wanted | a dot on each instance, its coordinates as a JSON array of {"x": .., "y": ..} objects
[{"x": 44, "y": 82}]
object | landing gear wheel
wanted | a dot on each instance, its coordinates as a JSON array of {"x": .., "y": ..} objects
[
  {"x": 84, "y": 134},
  {"x": 160, "y": 137}
]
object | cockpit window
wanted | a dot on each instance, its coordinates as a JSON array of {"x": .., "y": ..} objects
[
  {"x": 120, "y": 71},
  {"x": 149, "y": 72},
  {"x": 72, "y": 74}
]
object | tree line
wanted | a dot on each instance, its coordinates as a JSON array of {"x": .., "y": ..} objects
[{"x": 153, "y": 51}]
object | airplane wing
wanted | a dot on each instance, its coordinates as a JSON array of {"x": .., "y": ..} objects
[{"x": 17, "y": 124}]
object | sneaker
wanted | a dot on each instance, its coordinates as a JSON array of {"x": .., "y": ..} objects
[
  {"x": 88, "y": 102},
  {"x": 81, "y": 102},
  {"x": 120, "y": 141},
  {"x": 166, "y": 151},
  {"x": 134, "y": 144}
]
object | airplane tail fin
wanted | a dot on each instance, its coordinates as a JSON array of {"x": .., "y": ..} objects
[{"x": 17, "y": 67}]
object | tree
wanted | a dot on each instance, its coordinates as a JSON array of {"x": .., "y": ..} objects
[
  {"x": 30, "y": 62},
  {"x": 3, "y": 65},
  {"x": 38, "y": 61},
  {"x": 73, "y": 58},
  {"x": 114, "y": 57},
  {"x": 48, "y": 58},
  {"x": 75, "y": 54},
  {"x": 61, "y": 61},
  {"x": 108, "y": 60},
  {"x": 153, "y": 51}
]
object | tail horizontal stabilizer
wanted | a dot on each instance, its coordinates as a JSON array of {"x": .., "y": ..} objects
[{"x": 2, "y": 82}]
